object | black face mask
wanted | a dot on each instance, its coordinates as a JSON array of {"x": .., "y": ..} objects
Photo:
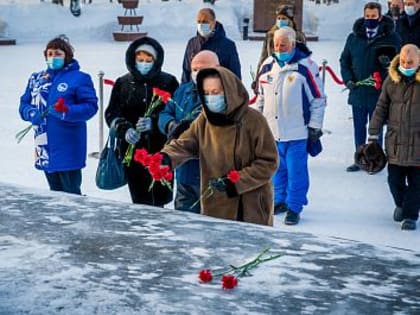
[
  {"x": 395, "y": 12},
  {"x": 371, "y": 23}
]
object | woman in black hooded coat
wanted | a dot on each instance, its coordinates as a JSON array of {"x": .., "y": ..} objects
[{"x": 129, "y": 100}]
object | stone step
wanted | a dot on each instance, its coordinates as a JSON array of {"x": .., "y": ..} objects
[
  {"x": 127, "y": 36},
  {"x": 7, "y": 41},
  {"x": 130, "y": 20}
]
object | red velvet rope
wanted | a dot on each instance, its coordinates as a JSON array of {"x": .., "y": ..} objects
[
  {"x": 333, "y": 75},
  {"x": 109, "y": 82}
]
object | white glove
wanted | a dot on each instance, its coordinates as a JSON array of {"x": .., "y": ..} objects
[
  {"x": 144, "y": 124},
  {"x": 132, "y": 136}
]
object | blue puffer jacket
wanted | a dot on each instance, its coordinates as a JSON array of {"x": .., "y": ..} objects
[
  {"x": 60, "y": 140},
  {"x": 359, "y": 59},
  {"x": 224, "y": 48},
  {"x": 186, "y": 104}
]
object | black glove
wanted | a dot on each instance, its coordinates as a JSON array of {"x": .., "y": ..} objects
[
  {"x": 384, "y": 61},
  {"x": 351, "y": 85},
  {"x": 218, "y": 184},
  {"x": 314, "y": 134},
  {"x": 178, "y": 129}
]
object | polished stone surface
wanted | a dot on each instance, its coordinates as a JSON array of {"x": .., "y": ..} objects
[{"x": 63, "y": 254}]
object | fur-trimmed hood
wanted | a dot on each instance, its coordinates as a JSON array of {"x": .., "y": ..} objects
[{"x": 395, "y": 75}]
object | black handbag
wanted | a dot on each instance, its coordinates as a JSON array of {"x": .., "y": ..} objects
[{"x": 110, "y": 173}]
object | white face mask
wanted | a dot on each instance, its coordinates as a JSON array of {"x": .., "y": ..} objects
[
  {"x": 204, "y": 29},
  {"x": 215, "y": 103},
  {"x": 410, "y": 10}
]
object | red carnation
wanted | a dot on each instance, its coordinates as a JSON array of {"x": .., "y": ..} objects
[
  {"x": 205, "y": 275},
  {"x": 60, "y": 106},
  {"x": 164, "y": 95},
  {"x": 142, "y": 157},
  {"x": 169, "y": 176},
  {"x": 229, "y": 282},
  {"x": 234, "y": 176}
]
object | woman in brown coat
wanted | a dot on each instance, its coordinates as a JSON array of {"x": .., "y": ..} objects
[
  {"x": 399, "y": 108},
  {"x": 228, "y": 135}
]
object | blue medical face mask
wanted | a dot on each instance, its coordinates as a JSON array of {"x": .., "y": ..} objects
[
  {"x": 204, "y": 29},
  {"x": 144, "y": 67},
  {"x": 410, "y": 10},
  {"x": 55, "y": 63},
  {"x": 371, "y": 23},
  {"x": 282, "y": 23},
  {"x": 215, "y": 103},
  {"x": 408, "y": 72},
  {"x": 284, "y": 56}
]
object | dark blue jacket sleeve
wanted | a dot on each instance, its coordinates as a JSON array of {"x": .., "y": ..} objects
[
  {"x": 346, "y": 62},
  {"x": 234, "y": 63},
  {"x": 186, "y": 64},
  {"x": 167, "y": 114}
]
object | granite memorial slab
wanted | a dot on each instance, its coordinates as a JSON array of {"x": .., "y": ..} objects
[{"x": 66, "y": 254}]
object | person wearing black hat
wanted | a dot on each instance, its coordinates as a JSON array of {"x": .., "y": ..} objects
[
  {"x": 130, "y": 97},
  {"x": 58, "y": 101}
]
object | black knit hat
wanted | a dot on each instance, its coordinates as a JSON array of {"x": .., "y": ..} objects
[
  {"x": 61, "y": 42},
  {"x": 285, "y": 10}
]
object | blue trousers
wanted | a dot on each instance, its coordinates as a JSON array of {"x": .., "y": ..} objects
[
  {"x": 361, "y": 117},
  {"x": 291, "y": 180},
  {"x": 67, "y": 181}
]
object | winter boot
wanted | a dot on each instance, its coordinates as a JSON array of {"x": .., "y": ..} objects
[
  {"x": 280, "y": 208},
  {"x": 292, "y": 218},
  {"x": 353, "y": 168},
  {"x": 408, "y": 225},
  {"x": 398, "y": 214}
]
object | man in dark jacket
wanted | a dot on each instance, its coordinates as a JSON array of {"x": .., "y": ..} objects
[
  {"x": 408, "y": 26},
  {"x": 368, "y": 49},
  {"x": 130, "y": 99},
  {"x": 211, "y": 36},
  {"x": 399, "y": 108}
]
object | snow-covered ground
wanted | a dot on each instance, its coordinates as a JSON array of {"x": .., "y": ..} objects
[{"x": 353, "y": 206}]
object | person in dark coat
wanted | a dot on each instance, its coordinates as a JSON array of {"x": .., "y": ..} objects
[
  {"x": 368, "y": 49},
  {"x": 395, "y": 10},
  {"x": 211, "y": 36},
  {"x": 174, "y": 119},
  {"x": 408, "y": 26},
  {"x": 399, "y": 108},
  {"x": 58, "y": 101},
  {"x": 129, "y": 100}
]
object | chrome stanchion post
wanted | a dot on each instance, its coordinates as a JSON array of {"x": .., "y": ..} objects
[
  {"x": 100, "y": 115},
  {"x": 324, "y": 66}
]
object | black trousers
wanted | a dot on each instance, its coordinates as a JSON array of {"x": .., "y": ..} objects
[
  {"x": 139, "y": 181},
  {"x": 404, "y": 183}
]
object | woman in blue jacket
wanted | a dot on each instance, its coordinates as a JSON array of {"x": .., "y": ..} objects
[{"x": 58, "y": 101}]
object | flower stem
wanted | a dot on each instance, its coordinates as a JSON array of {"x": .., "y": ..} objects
[
  {"x": 209, "y": 191},
  {"x": 243, "y": 269}
]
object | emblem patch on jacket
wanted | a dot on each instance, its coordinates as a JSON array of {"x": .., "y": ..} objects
[
  {"x": 62, "y": 87},
  {"x": 291, "y": 78}
]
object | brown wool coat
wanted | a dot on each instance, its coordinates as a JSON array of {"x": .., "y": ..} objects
[
  {"x": 399, "y": 108},
  {"x": 247, "y": 146}
]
